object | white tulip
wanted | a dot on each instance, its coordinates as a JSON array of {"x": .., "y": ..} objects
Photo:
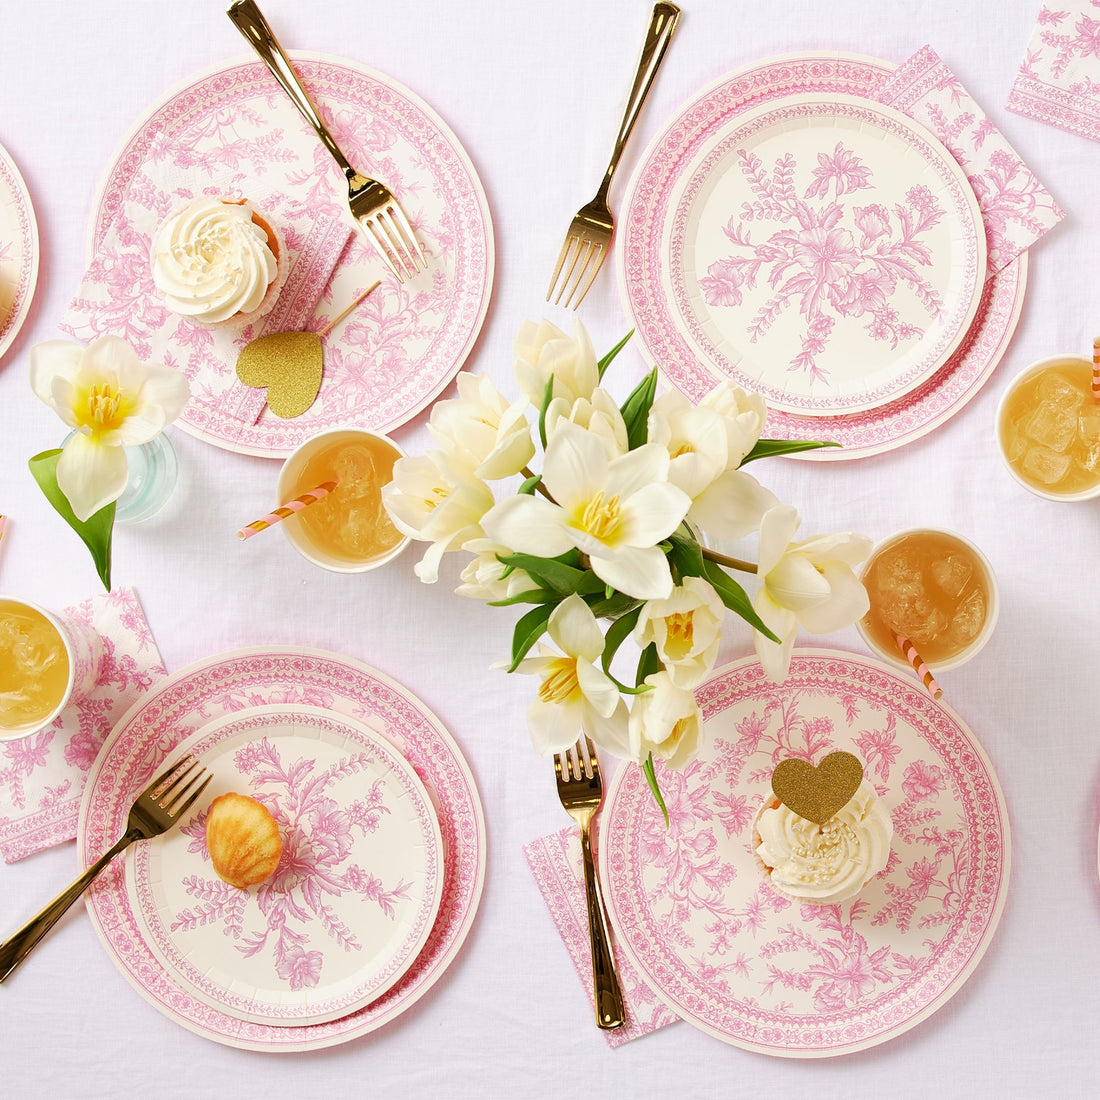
[
  {"x": 665, "y": 721},
  {"x": 686, "y": 629}
]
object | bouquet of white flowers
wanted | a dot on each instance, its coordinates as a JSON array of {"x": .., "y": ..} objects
[{"x": 611, "y": 531}]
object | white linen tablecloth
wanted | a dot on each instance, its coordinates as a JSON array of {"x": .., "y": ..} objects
[{"x": 534, "y": 93}]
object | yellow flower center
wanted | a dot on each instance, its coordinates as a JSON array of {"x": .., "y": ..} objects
[
  {"x": 684, "y": 448},
  {"x": 602, "y": 517},
  {"x": 679, "y": 633},
  {"x": 560, "y": 682},
  {"x": 103, "y": 407}
]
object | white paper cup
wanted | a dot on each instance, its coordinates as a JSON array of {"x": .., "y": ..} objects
[
  {"x": 1074, "y": 362},
  {"x": 290, "y": 485},
  {"x": 893, "y": 654},
  {"x": 83, "y": 650}
]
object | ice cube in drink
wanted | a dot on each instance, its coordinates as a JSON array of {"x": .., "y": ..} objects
[{"x": 34, "y": 668}]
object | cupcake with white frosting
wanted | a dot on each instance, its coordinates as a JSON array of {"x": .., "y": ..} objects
[
  {"x": 217, "y": 261},
  {"x": 827, "y": 863}
]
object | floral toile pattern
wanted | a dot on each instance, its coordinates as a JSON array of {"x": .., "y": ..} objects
[
  {"x": 229, "y": 685},
  {"x": 18, "y": 250},
  {"x": 1059, "y": 78},
  {"x": 42, "y": 776},
  {"x": 355, "y": 892},
  {"x": 1016, "y": 208},
  {"x": 829, "y": 259},
  {"x": 399, "y": 348},
  {"x": 693, "y": 909}
]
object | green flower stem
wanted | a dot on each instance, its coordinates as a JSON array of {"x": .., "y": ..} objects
[{"x": 728, "y": 562}]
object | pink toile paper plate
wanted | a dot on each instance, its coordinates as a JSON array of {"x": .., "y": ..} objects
[
  {"x": 693, "y": 910},
  {"x": 355, "y": 894},
  {"x": 642, "y": 259},
  {"x": 18, "y": 251},
  {"x": 228, "y": 685},
  {"x": 399, "y": 349}
]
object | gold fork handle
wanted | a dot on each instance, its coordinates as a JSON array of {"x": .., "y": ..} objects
[
  {"x": 250, "y": 21},
  {"x": 662, "y": 22},
  {"x": 16, "y": 948},
  {"x": 609, "y": 997}
]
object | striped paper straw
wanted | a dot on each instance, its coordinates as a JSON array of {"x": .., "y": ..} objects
[
  {"x": 288, "y": 509},
  {"x": 919, "y": 667},
  {"x": 1096, "y": 368},
  {"x": 3, "y": 524}
]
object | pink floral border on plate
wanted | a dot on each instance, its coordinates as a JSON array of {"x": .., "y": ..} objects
[
  {"x": 640, "y": 265},
  {"x": 233, "y": 682},
  {"x": 18, "y": 231},
  {"x": 691, "y": 905},
  {"x": 402, "y": 347}
]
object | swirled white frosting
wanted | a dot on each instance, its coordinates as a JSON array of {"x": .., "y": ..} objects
[
  {"x": 825, "y": 863},
  {"x": 211, "y": 260}
]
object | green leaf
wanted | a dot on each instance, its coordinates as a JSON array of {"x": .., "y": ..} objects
[
  {"x": 613, "y": 608},
  {"x": 605, "y": 362},
  {"x": 686, "y": 556},
  {"x": 617, "y": 633},
  {"x": 734, "y": 597},
  {"x": 529, "y": 486},
  {"x": 554, "y": 574},
  {"x": 769, "y": 448},
  {"x": 532, "y": 595},
  {"x": 636, "y": 408},
  {"x": 529, "y": 628},
  {"x": 648, "y": 663},
  {"x": 96, "y": 531},
  {"x": 651, "y": 779},
  {"x": 547, "y": 394}
]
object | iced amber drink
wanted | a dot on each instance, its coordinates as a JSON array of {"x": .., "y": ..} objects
[
  {"x": 1048, "y": 428},
  {"x": 44, "y": 662},
  {"x": 934, "y": 588},
  {"x": 348, "y": 530}
]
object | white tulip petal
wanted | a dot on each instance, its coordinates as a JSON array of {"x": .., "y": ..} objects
[
  {"x": 775, "y": 659},
  {"x": 796, "y": 583},
  {"x": 732, "y": 506},
  {"x": 575, "y": 466},
  {"x": 52, "y": 359},
  {"x": 554, "y": 727},
  {"x": 844, "y": 546},
  {"x": 611, "y": 732},
  {"x": 90, "y": 475},
  {"x": 637, "y": 469},
  {"x": 652, "y": 514},
  {"x": 847, "y": 601},
  {"x": 777, "y": 528},
  {"x": 640, "y": 572},
  {"x": 601, "y": 694},
  {"x": 574, "y": 629},
  {"x": 528, "y": 524}
]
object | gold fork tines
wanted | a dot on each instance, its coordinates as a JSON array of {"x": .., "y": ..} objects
[
  {"x": 170, "y": 795},
  {"x": 372, "y": 204},
  {"x": 580, "y": 790},
  {"x": 588, "y": 239}
]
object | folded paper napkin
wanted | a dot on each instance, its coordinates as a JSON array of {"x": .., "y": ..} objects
[
  {"x": 1016, "y": 208},
  {"x": 276, "y": 166},
  {"x": 42, "y": 776},
  {"x": 556, "y": 863},
  {"x": 1059, "y": 78}
]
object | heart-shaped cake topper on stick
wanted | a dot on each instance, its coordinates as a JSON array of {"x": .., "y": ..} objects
[
  {"x": 817, "y": 793},
  {"x": 289, "y": 365}
]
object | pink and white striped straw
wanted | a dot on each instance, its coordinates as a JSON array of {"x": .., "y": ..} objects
[
  {"x": 919, "y": 667},
  {"x": 285, "y": 510},
  {"x": 1096, "y": 368}
]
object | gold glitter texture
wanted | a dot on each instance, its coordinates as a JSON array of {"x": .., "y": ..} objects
[
  {"x": 289, "y": 364},
  {"x": 817, "y": 793}
]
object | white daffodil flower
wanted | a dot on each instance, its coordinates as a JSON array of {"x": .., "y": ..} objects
[
  {"x": 487, "y": 578},
  {"x": 809, "y": 583},
  {"x": 433, "y": 501},
  {"x": 616, "y": 511},
  {"x": 111, "y": 400},
  {"x": 686, "y": 628},
  {"x": 665, "y": 721},
  {"x": 598, "y": 415},
  {"x": 575, "y": 694},
  {"x": 481, "y": 430},
  {"x": 543, "y": 350},
  {"x": 743, "y": 415}
]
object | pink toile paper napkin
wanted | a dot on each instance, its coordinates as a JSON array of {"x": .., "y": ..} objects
[
  {"x": 42, "y": 776},
  {"x": 555, "y": 861},
  {"x": 1059, "y": 77},
  {"x": 1016, "y": 208},
  {"x": 279, "y": 171}
]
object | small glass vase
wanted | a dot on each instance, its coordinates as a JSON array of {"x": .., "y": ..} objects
[{"x": 153, "y": 470}]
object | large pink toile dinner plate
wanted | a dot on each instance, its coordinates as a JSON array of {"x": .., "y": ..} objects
[
  {"x": 18, "y": 251},
  {"x": 692, "y": 908},
  {"x": 234, "y": 684},
  {"x": 650, "y": 211},
  {"x": 401, "y": 347}
]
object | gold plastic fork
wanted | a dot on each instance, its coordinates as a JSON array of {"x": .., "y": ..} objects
[
  {"x": 372, "y": 205},
  {"x": 580, "y": 790},
  {"x": 159, "y": 806},
  {"x": 588, "y": 239}
]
